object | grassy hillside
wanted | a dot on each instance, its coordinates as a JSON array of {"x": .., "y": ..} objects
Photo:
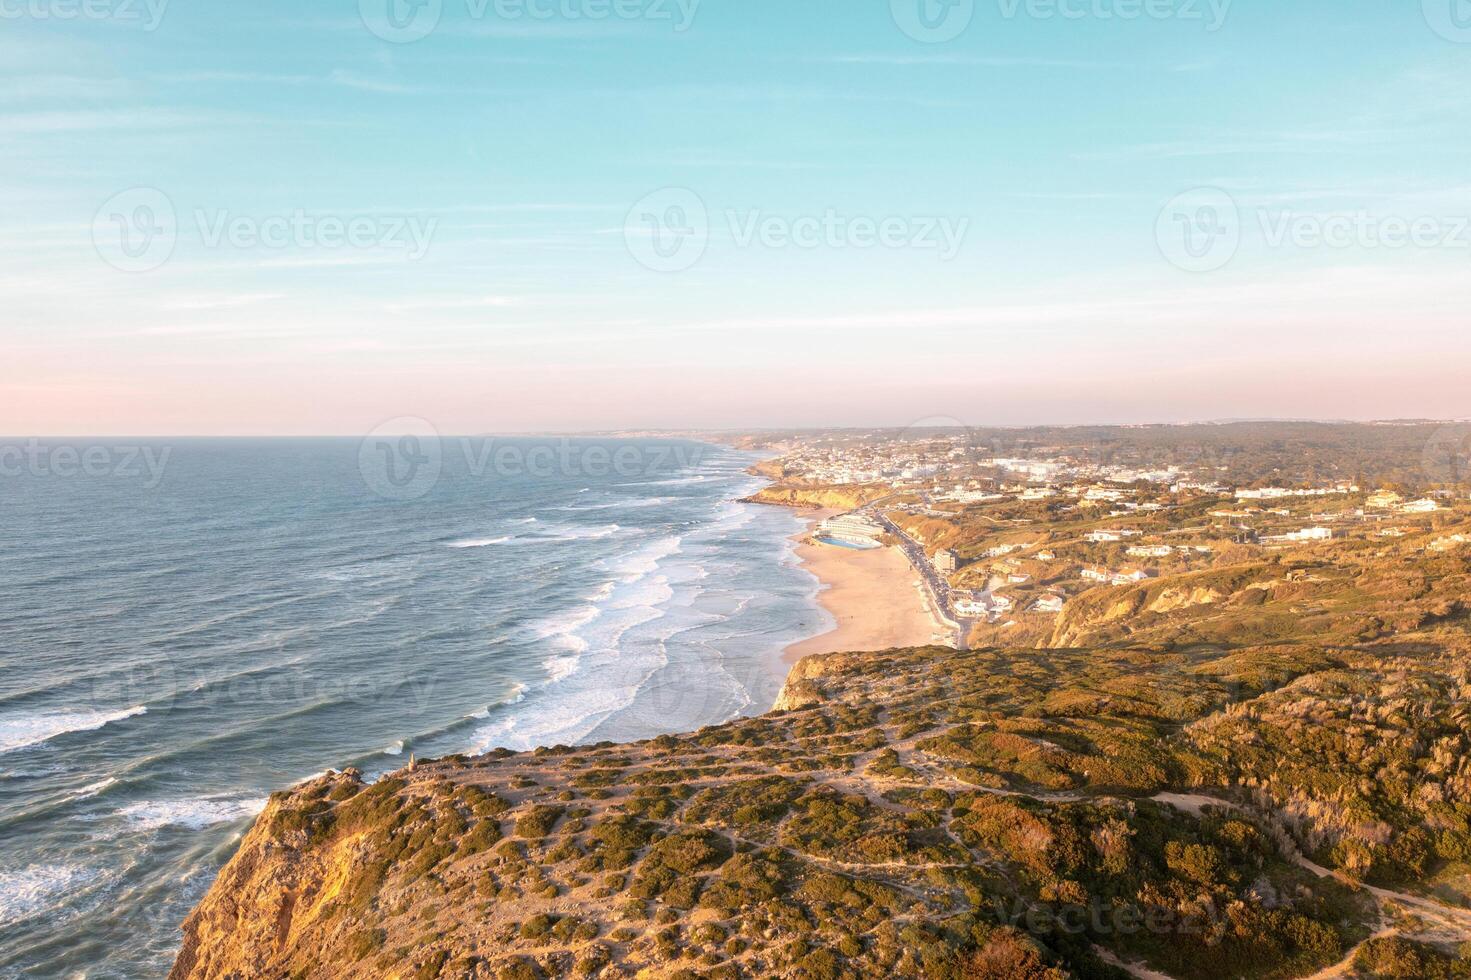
[{"x": 924, "y": 813}]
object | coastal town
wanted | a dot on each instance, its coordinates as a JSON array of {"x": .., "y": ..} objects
[{"x": 1005, "y": 541}]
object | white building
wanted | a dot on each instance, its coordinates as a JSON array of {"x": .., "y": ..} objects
[
  {"x": 1383, "y": 499},
  {"x": 1103, "y": 536},
  {"x": 851, "y": 528},
  {"x": 1048, "y": 604},
  {"x": 1306, "y": 534}
]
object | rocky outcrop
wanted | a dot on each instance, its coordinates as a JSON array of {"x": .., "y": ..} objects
[
  {"x": 801, "y": 689},
  {"x": 275, "y": 890},
  {"x": 1173, "y": 598},
  {"x": 817, "y": 498}
]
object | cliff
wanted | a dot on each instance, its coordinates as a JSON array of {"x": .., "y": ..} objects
[
  {"x": 818, "y": 497},
  {"x": 906, "y": 814},
  {"x": 801, "y": 689}
]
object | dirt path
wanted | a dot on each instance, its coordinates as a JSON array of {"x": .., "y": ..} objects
[{"x": 1456, "y": 920}]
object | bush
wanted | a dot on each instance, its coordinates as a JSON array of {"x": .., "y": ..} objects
[
  {"x": 537, "y": 822},
  {"x": 537, "y": 927},
  {"x": 363, "y": 944},
  {"x": 672, "y": 863}
]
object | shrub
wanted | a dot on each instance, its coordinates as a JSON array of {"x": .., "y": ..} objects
[
  {"x": 537, "y": 822},
  {"x": 537, "y": 927}
]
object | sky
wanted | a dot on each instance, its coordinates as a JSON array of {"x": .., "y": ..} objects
[{"x": 275, "y": 218}]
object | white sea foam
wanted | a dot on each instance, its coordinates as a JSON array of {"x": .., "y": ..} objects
[
  {"x": 574, "y": 532},
  {"x": 562, "y": 628},
  {"x": 651, "y": 593},
  {"x": 732, "y": 516},
  {"x": 676, "y": 482},
  {"x": 630, "y": 503},
  {"x": 560, "y": 668},
  {"x": 478, "y": 542},
  {"x": 636, "y": 564},
  {"x": 193, "y": 814},
  {"x": 627, "y": 669},
  {"x": 29, "y": 891},
  {"x": 27, "y": 730},
  {"x": 518, "y": 694},
  {"x": 92, "y": 789},
  {"x": 397, "y": 748}
]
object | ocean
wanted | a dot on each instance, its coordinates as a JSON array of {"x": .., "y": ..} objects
[{"x": 189, "y": 625}]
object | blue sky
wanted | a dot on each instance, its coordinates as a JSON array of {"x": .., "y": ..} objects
[{"x": 1035, "y": 171}]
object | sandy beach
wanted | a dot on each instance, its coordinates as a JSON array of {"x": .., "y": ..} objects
[{"x": 875, "y": 596}]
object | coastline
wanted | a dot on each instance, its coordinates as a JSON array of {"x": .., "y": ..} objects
[{"x": 875, "y": 597}]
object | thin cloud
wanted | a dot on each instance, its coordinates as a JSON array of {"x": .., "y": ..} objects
[
  {"x": 1307, "y": 142},
  {"x": 87, "y": 120},
  {"x": 977, "y": 61}
]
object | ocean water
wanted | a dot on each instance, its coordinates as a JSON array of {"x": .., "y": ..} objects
[{"x": 188, "y": 626}]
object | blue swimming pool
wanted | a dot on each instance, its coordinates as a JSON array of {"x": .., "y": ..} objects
[{"x": 846, "y": 544}]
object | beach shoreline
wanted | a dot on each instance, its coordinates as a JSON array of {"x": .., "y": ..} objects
[{"x": 875, "y": 597}]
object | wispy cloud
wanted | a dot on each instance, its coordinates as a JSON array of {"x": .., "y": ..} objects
[
  {"x": 382, "y": 86},
  {"x": 216, "y": 301},
  {"x": 1239, "y": 144},
  {"x": 88, "y": 120},
  {"x": 252, "y": 77},
  {"x": 977, "y": 61}
]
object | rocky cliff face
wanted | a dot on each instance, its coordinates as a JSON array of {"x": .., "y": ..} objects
[
  {"x": 277, "y": 891},
  {"x": 818, "y": 498},
  {"x": 801, "y": 689},
  {"x": 900, "y": 816}
]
